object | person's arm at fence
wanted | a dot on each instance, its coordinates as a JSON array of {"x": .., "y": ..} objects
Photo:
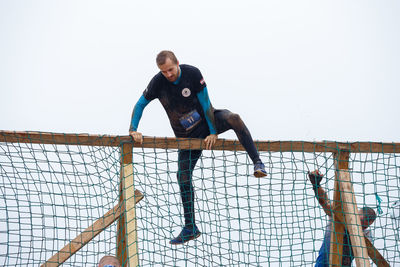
[
  {"x": 321, "y": 195},
  {"x": 136, "y": 116},
  {"x": 209, "y": 114}
]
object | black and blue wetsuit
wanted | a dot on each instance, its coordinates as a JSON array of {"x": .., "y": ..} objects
[{"x": 191, "y": 115}]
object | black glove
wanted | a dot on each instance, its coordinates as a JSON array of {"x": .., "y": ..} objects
[{"x": 315, "y": 178}]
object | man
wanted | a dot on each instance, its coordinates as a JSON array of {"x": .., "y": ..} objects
[
  {"x": 182, "y": 91},
  {"x": 109, "y": 261},
  {"x": 367, "y": 217}
]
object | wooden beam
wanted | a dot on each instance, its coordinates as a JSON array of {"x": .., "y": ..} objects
[
  {"x": 59, "y": 138},
  {"x": 130, "y": 217},
  {"x": 88, "y": 234},
  {"x": 373, "y": 253},
  {"x": 126, "y": 158},
  {"x": 185, "y": 143},
  {"x": 342, "y": 165},
  {"x": 337, "y": 231},
  {"x": 127, "y": 245},
  {"x": 352, "y": 219},
  {"x": 341, "y": 161}
]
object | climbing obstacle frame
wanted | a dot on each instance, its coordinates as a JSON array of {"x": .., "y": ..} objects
[{"x": 71, "y": 198}]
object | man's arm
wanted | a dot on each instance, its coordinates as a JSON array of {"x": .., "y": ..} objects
[
  {"x": 209, "y": 114},
  {"x": 322, "y": 197},
  {"x": 136, "y": 116}
]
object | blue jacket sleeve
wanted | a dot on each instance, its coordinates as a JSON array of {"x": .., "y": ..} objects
[
  {"x": 208, "y": 110},
  {"x": 137, "y": 113}
]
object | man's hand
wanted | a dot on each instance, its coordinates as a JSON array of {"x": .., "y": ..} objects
[
  {"x": 210, "y": 140},
  {"x": 137, "y": 137},
  {"x": 315, "y": 177}
]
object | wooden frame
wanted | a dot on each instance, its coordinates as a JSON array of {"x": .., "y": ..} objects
[
  {"x": 127, "y": 248},
  {"x": 373, "y": 253},
  {"x": 344, "y": 201},
  {"x": 184, "y": 143},
  {"x": 345, "y": 216},
  {"x": 86, "y": 236}
]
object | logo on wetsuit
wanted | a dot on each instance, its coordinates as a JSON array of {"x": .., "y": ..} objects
[
  {"x": 189, "y": 120},
  {"x": 186, "y": 92}
]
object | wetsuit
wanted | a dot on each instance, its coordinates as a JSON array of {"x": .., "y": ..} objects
[{"x": 191, "y": 114}]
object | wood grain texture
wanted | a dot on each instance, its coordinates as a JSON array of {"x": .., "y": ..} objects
[
  {"x": 185, "y": 143},
  {"x": 88, "y": 234},
  {"x": 373, "y": 253},
  {"x": 130, "y": 217},
  {"x": 341, "y": 158},
  {"x": 352, "y": 219}
]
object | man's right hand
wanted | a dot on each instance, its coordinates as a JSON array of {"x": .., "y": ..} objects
[
  {"x": 137, "y": 137},
  {"x": 315, "y": 177},
  {"x": 210, "y": 140}
]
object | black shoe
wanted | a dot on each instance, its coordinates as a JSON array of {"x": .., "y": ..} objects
[
  {"x": 259, "y": 169},
  {"x": 186, "y": 235}
]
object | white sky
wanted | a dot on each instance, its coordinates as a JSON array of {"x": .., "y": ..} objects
[{"x": 294, "y": 70}]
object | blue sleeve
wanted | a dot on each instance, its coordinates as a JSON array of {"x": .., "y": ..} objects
[
  {"x": 208, "y": 110},
  {"x": 137, "y": 113}
]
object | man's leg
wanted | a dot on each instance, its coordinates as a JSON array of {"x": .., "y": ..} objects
[
  {"x": 226, "y": 120},
  {"x": 187, "y": 160}
]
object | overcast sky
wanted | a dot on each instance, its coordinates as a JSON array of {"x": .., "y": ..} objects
[{"x": 294, "y": 70}]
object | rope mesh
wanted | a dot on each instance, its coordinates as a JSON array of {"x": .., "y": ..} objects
[{"x": 49, "y": 194}]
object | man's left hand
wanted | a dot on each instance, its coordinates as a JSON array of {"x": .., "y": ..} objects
[{"x": 210, "y": 140}]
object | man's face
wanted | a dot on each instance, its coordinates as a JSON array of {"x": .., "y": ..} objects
[{"x": 170, "y": 70}]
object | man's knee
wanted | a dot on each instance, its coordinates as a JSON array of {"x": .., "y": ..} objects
[{"x": 235, "y": 120}]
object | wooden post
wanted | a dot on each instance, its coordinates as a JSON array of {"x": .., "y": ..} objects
[
  {"x": 338, "y": 228},
  {"x": 345, "y": 206},
  {"x": 352, "y": 219},
  {"x": 127, "y": 247},
  {"x": 373, "y": 253}
]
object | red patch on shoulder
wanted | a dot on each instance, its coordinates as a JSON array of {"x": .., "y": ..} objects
[{"x": 202, "y": 81}]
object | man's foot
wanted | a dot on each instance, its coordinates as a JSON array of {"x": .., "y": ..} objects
[
  {"x": 186, "y": 235},
  {"x": 259, "y": 169}
]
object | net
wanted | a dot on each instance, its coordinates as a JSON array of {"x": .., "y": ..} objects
[{"x": 51, "y": 193}]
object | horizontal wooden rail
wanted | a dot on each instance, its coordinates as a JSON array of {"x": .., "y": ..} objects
[{"x": 187, "y": 143}]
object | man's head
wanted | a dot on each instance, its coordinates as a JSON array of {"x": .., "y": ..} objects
[
  {"x": 108, "y": 261},
  {"x": 367, "y": 217},
  {"x": 168, "y": 65}
]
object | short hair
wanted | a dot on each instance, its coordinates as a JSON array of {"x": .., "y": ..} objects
[
  {"x": 163, "y": 55},
  {"x": 108, "y": 260},
  {"x": 369, "y": 214}
]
